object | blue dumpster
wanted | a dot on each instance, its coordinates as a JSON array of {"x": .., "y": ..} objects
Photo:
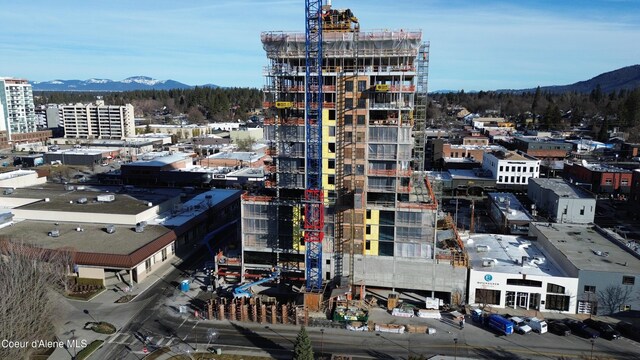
[{"x": 184, "y": 286}]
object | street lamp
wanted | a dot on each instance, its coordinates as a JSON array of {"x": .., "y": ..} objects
[
  {"x": 455, "y": 348},
  {"x": 593, "y": 341}
]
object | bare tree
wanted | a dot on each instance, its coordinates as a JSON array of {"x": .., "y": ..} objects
[
  {"x": 245, "y": 144},
  {"x": 27, "y": 276},
  {"x": 613, "y": 297},
  {"x": 484, "y": 299}
]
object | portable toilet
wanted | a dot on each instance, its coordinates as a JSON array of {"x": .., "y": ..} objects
[{"x": 184, "y": 286}]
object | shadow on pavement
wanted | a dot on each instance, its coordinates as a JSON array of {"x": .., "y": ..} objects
[
  {"x": 496, "y": 354},
  {"x": 274, "y": 349}
]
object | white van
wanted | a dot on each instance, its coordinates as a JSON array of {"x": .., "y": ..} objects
[{"x": 537, "y": 325}]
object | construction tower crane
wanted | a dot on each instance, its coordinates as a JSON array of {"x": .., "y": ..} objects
[{"x": 313, "y": 194}]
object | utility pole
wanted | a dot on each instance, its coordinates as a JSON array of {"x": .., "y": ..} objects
[{"x": 471, "y": 224}]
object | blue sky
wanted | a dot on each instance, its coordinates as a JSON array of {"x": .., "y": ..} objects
[{"x": 475, "y": 45}]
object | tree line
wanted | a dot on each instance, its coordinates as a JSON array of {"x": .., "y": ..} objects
[
  {"x": 201, "y": 104},
  {"x": 550, "y": 111}
]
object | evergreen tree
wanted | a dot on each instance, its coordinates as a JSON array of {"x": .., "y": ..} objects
[{"x": 302, "y": 349}]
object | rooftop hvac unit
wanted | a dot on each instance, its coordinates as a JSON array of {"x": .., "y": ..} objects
[
  {"x": 111, "y": 229},
  {"x": 82, "y": 200},
  {"x": 54, "y": 233},
  {"x": 139, "y": 228},
  {"x": 106, "y": 198},
  {"x": 482, "y": 248},
  {"x": 489, "y": 262}
]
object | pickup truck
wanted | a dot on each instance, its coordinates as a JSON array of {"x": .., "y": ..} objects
[{"x": 520, "y": 326}]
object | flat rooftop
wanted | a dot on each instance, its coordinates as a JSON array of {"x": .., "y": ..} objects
[
  {"x": 248, "y": 172},
  {"x": 587, "y": 249},
  {"x": 503, "y": 253},
  {"x": 237, "y": 155},
  {"x": 511, "y": 155},
  {"x": 193, "y": 207},
  {"x": 605, "y": 168},
  {"x": 510, "y": 206},
  {"x": 84, "y": 151},
  {"x": 16, "y": 173},
  {"x": 562, "y": 188},
  {"x": 61, "y": 199},
  {"x": 92, "y": 239},
  {"x": 465, "y": 174},
  {"x": 477, "y": 147},
  {"x": 159, "y": 159},
  {"x": 535, "y": 139}
]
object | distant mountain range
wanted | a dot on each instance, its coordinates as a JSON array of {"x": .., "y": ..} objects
[
  {"x": 627, "y": 78},
  {"x": 128, "y": 84}
]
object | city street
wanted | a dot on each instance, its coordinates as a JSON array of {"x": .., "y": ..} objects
[{"x": 162, "y": 326}]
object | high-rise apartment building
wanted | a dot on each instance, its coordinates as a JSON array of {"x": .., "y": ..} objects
[
  {"x": 379, "y": 211},
  {"x": 17, "y": 111},
  {"x": 98, "y": 121}
]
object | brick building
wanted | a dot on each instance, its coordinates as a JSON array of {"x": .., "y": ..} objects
[
  {"x": 542, "y": 148},
  {"x": 601, "y": 179}
]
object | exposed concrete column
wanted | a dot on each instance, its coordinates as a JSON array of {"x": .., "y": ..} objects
[{"x": 130, "y": 272}]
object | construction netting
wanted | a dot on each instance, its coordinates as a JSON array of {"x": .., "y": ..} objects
[{"x": 343, "y": 43}]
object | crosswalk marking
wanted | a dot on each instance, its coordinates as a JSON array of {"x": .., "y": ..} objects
[{"x": 121, "y": 339}]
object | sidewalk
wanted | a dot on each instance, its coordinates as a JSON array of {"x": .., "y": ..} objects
[{"x": 75, "y": 314}]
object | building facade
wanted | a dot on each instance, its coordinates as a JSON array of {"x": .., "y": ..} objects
[
  {"x": 606, "y": 267},
  {"x": 508, "y": 213},
  {"x": 98, "y": 121},
  {"x": 377, "y": 211},
  {"x": 599, "y": 178},
  {"x": 17, "y": 111},
  {"x": 511, "y": 169},
  {"x": 512, "y": 272},
  {"x": 562, "y": 201},
  {"x": 542, "y": 148}
]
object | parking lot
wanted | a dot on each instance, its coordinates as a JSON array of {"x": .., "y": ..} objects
[{"x": 477, "y": 340}]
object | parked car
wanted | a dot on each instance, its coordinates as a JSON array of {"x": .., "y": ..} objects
[
  {"x": 606, "y": 330},
  {"x": 629, "y": 330},
  {"x": 581, "y": 329},
  {"x": 537, "y": 325},
  {"x": 558, "y": 327},
  {"x": 519, "y": 325}
]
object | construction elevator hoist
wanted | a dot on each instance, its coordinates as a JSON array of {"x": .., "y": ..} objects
[{"x": 313, "y": 194}]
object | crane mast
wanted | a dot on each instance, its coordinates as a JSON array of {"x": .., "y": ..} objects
[{"x": 313, "y": 195}]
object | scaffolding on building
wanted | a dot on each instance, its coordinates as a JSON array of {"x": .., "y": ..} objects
[{"x": 372, "y": 93}]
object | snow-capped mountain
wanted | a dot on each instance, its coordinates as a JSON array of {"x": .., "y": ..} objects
[{"x": 131, "y": 83}]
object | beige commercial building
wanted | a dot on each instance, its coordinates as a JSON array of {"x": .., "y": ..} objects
[{"x": 98, "y": 121}]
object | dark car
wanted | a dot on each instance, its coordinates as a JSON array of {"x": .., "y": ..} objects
[
  {"x": 581, "y": 329},
  {"x": 629, "y": 330},
  {"x": 558, "y": 327},
  {"x": 606, "y": 330}
]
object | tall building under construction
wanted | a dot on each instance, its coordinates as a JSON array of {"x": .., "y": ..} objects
[{"x": 379, "y": 211}]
